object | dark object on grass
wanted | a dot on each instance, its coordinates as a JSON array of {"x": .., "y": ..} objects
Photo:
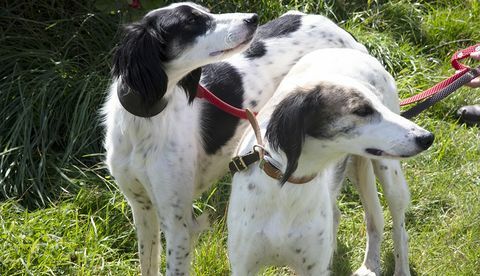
[{"x": 469, "y": 114}]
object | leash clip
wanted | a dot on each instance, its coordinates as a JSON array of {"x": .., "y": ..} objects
[{"x": 267, "y": 158}]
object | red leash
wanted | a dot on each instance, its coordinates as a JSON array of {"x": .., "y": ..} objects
[
  {"x": 462, "y": 54},
  {"x": 206, "y": 94}
]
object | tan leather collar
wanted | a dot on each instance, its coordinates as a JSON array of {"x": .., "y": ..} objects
[{"x": 275, "y": 173}]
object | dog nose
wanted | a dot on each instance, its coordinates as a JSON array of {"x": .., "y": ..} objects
[
  {"x": 252, "y": 20},
  {"x": 425, "y": 141}
]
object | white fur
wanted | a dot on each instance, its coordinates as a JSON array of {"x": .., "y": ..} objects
[
  {"x": 296, "y": 225},
  {"x": 159, "y": 163}
]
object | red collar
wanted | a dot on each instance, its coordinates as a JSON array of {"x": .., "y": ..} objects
[{"x": 206, "y": 94}]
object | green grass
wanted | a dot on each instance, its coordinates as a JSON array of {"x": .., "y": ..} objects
[{"x": 65, "y": 216}]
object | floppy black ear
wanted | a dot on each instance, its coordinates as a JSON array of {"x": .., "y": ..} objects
[
  {"x": 190, "y": 83},
  {"x": 294, "y": 118},
  {"x": 138, "y": 60},
  {"x": 286, "y": 130}
]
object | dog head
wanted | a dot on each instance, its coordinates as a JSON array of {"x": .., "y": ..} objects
[
  {"x": 333, "y": 118},
  {"x": 168, "y": 47}
]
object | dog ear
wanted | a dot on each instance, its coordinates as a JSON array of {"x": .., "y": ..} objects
[
  {"x": 190, "y": 83},
  {"x": 138, "y": 61},
  {"x": 295, "y": 117},
  {"x": 286, "y": 130}
]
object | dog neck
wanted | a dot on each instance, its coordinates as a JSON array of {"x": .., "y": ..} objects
[
  {"x": 315, "y": 159},
  {"x": 136, "y": 105}
]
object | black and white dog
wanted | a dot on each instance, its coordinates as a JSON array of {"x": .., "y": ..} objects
[
  {"x": 164, "y": 149},
  {"x": 332, "y": 104}
]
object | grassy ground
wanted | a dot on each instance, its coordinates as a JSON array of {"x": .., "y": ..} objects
[{"x": 61, "y": 64}]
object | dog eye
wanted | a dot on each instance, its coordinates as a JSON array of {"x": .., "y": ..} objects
[
  {"x": 194, "y": 16},
  {"x": 363, "y": 111},
  {"x": 192, "y": 19}
]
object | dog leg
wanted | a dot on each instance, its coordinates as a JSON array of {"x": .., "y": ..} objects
[
  {"x": 336, "y": 222},
  {"x": 334, "y": 189},
  {"x": 395, "y": 187},
  {"x": 363, "y": 178},
  {"x": 176, "y": 219},
  {"x": 242, "y": 252},
  {"x": 146, "y": 225},
  {"x": 242, "y": 267},
  {"x": 148, "y": 233}
]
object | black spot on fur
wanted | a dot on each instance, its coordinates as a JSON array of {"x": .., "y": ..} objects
[
  {"x": 310, "y": 266},
  {"x": 257, "y": 49},
  {"x": 253, "y": 103},
  {"x": 225, "y": 82},
  {"x": 281, "y": 26},
  {"x": 251, "y": 186},
  {"x": 189, "y": 83}
]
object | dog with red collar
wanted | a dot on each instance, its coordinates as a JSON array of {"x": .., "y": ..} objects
[{"x": 164, "y": 147}]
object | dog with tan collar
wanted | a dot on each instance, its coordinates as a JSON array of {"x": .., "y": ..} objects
[{"x": 334, "y": 114}]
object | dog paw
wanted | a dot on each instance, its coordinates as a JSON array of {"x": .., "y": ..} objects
[{"x": 364, "y": 271}]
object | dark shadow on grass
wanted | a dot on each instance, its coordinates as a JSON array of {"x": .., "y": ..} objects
[{"x": 341, "y": 264}]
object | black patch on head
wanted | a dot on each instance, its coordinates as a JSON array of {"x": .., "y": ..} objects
[
  {"x": 257, "y": 49},
  {"x": 149, "y": 44},
  {"x": 281, "y": 26},
  {"x": 218, "y": 127},
  {"x": 304, "y": 113},
  {"x": 180, "y": 26}
]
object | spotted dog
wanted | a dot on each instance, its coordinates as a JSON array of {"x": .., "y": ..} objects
[
  {"x": 334, "y": 105},
  {"x": 163, "y": 147}
]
